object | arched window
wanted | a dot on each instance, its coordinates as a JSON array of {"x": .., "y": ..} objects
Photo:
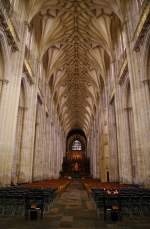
[{"x": 76, "y": 145}]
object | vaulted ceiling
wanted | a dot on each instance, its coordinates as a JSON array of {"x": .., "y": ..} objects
[{"x": 75, "y": 44}]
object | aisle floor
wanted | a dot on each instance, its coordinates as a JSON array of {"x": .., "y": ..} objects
[{"x": 73, "y": 209}]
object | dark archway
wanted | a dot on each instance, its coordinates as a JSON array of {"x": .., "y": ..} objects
[
  {"x": 76, "y": 163},
  {"x": 76, "y": 135}
]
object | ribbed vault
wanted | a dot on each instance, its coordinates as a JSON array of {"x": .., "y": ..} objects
[{"x": 75, "y": 44}]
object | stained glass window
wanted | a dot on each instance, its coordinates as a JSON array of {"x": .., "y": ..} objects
[{"x": 76, "y": 145}]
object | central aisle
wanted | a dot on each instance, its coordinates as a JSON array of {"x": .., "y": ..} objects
[{"x": 73, "y": 209}]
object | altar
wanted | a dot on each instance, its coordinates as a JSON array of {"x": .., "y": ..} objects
[{"x": 76, "y": 164}]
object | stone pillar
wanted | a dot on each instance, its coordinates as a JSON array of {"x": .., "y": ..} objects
[
  {"x": 51, "y": 149},
  {"x": 26, "y": 162},
  {"x": 8, "y": 111},
  {"x": 141, "y": 111},
  {"x": 38, "y": 154},
  {"x": 113, "y": 151},
  {"x": 124, "y": 154},
  {"x": 94, "y": 149},
  {"x": 53, "y": 143},
  {"x": 97, "y": 145}
]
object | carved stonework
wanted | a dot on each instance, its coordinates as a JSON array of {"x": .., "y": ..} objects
[
  {"x": 8, "y": 27},
  {"x": 123, "y": 71},
  {"x": 28, "y": 71},
  {"x": 7, "y": 6},
  {"x": 142, "y": 28},
  {"x": 112, "y": 94}
]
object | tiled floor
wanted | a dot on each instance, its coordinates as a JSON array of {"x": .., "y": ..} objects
[{"x": 73, "y": 209}]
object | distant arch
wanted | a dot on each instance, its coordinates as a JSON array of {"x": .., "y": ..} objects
[{"x": 76, "y": 139}]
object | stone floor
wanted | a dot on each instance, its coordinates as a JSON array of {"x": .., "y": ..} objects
[{"x": 73, "y": 209}]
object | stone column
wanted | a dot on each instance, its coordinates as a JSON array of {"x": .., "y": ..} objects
[
  {"x": 113, "y": 151},
  {"x": 94, "y": 149},
  {"x": 25, "y": 174},
  {"x": 38, "y": 154},
  {"x": 141, "y": 111},
  {"x": 53, "y": 143},
  {"x": 9, "y": 109},
  {"x": 124, "y": 154},
  {"x": 51, "y": 149},
  {"x": 97, "y": 145}
]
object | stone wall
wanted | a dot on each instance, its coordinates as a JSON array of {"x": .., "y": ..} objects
[
  {"x": 124, "y": 121},
  {"x": 31, "y": 137},
  {"x": 32, "y": 134}
]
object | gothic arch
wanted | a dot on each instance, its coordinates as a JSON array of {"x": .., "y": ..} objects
[
  {"x": 5, "y": 53},
  {"x": 4, "y": 63},
  {"x": 146, "y": 70},
  {"x": 76, "y": 134}
]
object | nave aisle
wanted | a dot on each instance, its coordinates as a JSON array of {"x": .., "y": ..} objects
[{"x": 72, "y": 210}]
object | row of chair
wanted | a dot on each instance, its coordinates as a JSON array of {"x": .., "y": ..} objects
[
  {"x": 59, "y": 184},
  {"x": 90, "y": 183},
  {"x": 129, "y": 201},
  {"x": 18, "y": 200}
]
